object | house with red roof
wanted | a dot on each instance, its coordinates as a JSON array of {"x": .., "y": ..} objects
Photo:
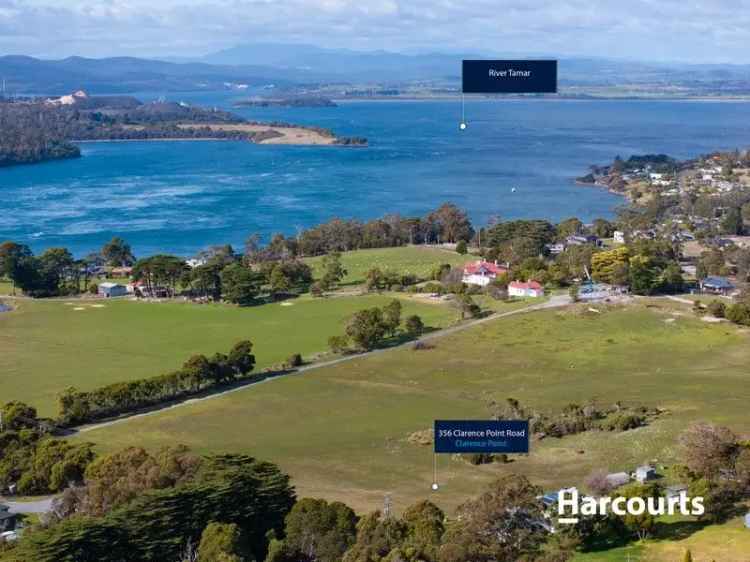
[
  {"x": 525, "y": 289},
  {"x": 482, "y": 273}
]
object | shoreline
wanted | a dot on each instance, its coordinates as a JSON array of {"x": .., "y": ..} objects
[
  {"x": 562, "y": 98},
  {"x": 213, "y": 139}
]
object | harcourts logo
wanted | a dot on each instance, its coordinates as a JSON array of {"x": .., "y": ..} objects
[{"x": 570, "y": 505}]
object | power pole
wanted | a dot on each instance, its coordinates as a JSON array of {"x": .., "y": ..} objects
[{"x": 387, "y": 505}]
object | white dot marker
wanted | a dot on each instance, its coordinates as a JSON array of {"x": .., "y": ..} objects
[
  {"x": 435, "y": 486},
  {"x": 462, "y": 126}
]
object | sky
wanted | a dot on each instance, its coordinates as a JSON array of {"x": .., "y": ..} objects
[{"x": 648, "y": 30}]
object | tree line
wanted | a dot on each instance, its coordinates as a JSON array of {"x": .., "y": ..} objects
[{"x": 197, "y": 374}]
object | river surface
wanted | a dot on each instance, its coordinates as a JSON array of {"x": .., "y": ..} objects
[{"x": 517, "y": 158}]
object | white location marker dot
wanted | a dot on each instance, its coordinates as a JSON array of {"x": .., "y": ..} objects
[
  {"x": 435, "y": 486},
  {"x": 462, "y": 126}
]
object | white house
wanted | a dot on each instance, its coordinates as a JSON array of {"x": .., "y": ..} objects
[
  {"x": 645, "y": 473},
  {"x": 482, "y": 273},
  {"x": 109, "y": 290},
  {"x": 619, "y": 237},
  {"x": 528, "y": 289}
]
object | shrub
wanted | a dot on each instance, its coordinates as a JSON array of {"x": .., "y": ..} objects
[
  {"x": 93, "y": 288},
  {"x": 739, "y": 313},
  {"x": 480, "y": 458},
  {"x": 338, "y": 344},
  {"x": 717, "y": 308},
  {"x": 294, "y": 360},
  {"x": 316, "y": 290},
  {"x": 414, "y": 325},
  {"x": 461, "y": 247}
]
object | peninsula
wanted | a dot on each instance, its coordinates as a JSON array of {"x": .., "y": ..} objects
[{"x": 35, "y": 129}]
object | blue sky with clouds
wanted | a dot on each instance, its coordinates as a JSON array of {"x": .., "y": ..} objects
[{"x": 651, "y": 30}]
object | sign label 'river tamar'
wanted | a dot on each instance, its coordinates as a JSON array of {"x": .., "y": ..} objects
[{"x": 509, "y": 77}]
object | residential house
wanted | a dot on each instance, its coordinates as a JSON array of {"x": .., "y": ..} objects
[
  {"x": 482, "y": 273},
  {"x": 109, "y": 290},
  {"x": 527, "y": 289},
  {"x": 676, "y": 491},
  {"x": 617, "y": 479},
  {"x": 716, "y": 285},
  {"x": 619, "y": 237},
  {"x": 582, "y": 239},
  {"x": 645, "y": 473},
  {"x": 121, "y": 272},
  {"x": 8, "y": 520}
]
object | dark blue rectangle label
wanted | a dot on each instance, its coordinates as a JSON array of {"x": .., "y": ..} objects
[
  {"x": 509, "y": 76},
  {"x": 481, "y": 436}
]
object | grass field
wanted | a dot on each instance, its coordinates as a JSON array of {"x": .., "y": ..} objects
[
  {"x": 46, "y": 346},
  {"x": 727, "y": 542},
  {"x": 6, "y": 288},
  {"x": 417, "y": 260},
  {"x": 342, "y": 431}
]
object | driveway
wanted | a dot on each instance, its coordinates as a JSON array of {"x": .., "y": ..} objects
[{"x": 36, "y": 506}]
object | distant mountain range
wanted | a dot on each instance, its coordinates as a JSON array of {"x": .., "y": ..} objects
[{"x": 297, "y": 64}]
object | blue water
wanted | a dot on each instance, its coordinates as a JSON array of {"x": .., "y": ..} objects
[{"x": 182, "y": 196}]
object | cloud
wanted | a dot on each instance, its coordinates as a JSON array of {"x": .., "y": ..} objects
[{"x": 642, "y": 29}]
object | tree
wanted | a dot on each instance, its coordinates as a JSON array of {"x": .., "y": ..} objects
[
  {"x": 221, "y": 542},
  {"x": 319, "y": 531},
  {"x": 597, "y": 483},
  {"x": 602, "y": 228},
  {"x": 732, "y": 222},
  {"x": 501, "y": 524},
  {"x": 117, "y": 253},
  {"x": 333, "y": 271},
  {"x": 604, "y": 264},
  {"x": 451, "y": 223},
  {"x": 338, "y": 344},
  {"x": 467, "y": 306},
  {"x": 709, "y": 449},
  {"x": 115, "y": 479},
  {"x": 197, "y": 370},
  {"x": 377, "y": 538},
  {"x": 12, "y": 259},
  {"x": 414, "y": 325},
  {"x": 569, "y": 227},
  {"x": 241, "y": 284},
  {"x": 461, "y": 247},
  {"x": 280, "y": 283},
  {"x": 671, "y": 280},
  {"x": 425, "y": 524},
  {"x": 711, "y": 262},
  {"x": 17, "y": 415},
  {"x": 392, "y": 316},
  {"x": 644, "y": 276},
  {"x": 739, "y": 313},
  {"x": 241, "y": 358},
  {"x": 206, "y": 279},
  {"x": 55, "y": 266},
  {"x": 367, "y": 328},
  {"x": 159, "y": 271},
  {"x": 641, "y": 525},
  {"x": 374, "y": 279}
]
